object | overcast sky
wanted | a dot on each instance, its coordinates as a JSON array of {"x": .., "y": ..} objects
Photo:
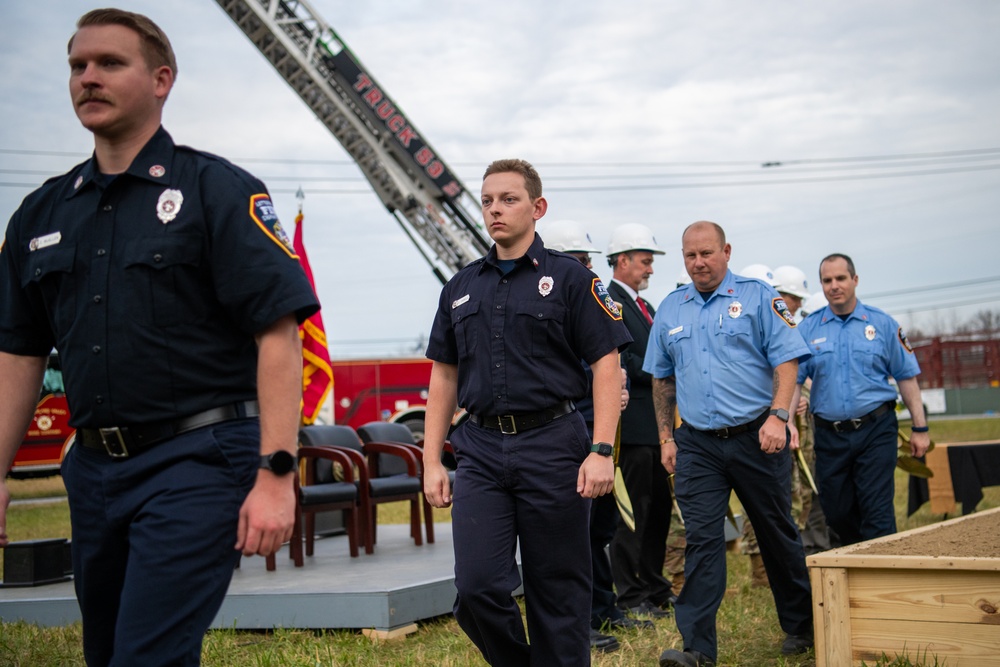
[{"x": 658, "y": 111}]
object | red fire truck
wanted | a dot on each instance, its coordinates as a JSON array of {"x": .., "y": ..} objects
[
  {"x": 50, "y": 436},
  {"x": 366, "y": 390}
]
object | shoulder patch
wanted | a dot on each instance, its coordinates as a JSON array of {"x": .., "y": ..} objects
[
  {"x": 902, "y": 339},
  {"x": 263, "y": 213},
  {"x": 600, "y": 293},
  {"x": 781, "y": 310}
]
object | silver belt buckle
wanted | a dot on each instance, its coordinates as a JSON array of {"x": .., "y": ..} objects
[
  {"x": 856, "y": 423},
  {"x": 114, "y": 442},
  {"x": 512, "y": 429}
]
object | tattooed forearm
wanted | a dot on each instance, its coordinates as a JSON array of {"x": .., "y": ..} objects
[
  {"x": 784, "y": 383},
  {"x": 665, "y": 403}
]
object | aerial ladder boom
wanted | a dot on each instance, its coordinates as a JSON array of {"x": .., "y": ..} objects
[{"x": 430, "y": 203}]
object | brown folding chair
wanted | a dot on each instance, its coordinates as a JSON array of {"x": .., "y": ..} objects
[
  {"x": 379, "y": 435},
  {"x": 390, "y": 473},
  {"x": 321, "y": 492}
]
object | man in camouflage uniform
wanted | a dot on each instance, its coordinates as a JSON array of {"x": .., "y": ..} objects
[{"x": 791, "y": 285}]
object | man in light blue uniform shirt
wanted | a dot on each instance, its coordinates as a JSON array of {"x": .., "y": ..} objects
[
  {"x": 724, "y": 349},
  {"x": 856, "y": 348}
]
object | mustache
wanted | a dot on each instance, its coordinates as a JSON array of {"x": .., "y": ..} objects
[{"x": 91, "y": 96}]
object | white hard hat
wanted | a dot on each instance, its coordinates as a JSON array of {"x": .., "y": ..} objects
[
  {"x": 813, "y": 303},
  {"x": 633, "y": 236},
  {"x": 791, "y": 280},
  {"x": 760, "y": 272},
  {"x": 683, "y": 279},
  {"x": 567, "y": 236}
]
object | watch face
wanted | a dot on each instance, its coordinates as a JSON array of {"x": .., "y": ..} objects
[{"x": 280, "y": 462}]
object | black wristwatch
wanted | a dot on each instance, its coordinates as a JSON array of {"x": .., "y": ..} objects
[
  {"x": 602, "y": 448},
  {"x": 780, "y": 414},
  {"x": 279, "y": 462}
]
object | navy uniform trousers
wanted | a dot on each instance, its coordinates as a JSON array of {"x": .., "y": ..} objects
[
  {"x": 153, "y": 541},
  {"x": 520, "y": 490},
  {"x": 708, "y": 468},
  {"x": 855, "y": 478}
]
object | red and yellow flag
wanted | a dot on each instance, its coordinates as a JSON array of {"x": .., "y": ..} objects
[{"x": 317, "y": 376}]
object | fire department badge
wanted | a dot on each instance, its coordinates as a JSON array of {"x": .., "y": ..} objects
[
  {"x": 545, "y": 285},
  {"x": 44, "y": 422},
  {"x": 735, "y": 309},
  {"x": 169, "y": 205},
  {"x": 600, "y": 293},
  {"x": 263, "y": 213},
  {"x": 157, "y": 171},
  {"x": 870, "y": 332},
  {"x": 902, "y": 339},
  {"x": 779, "y": 306}
]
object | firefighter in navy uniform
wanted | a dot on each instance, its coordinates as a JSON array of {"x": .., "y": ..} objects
[
  {"x": 164, "y": 279},
  {"x": 507, "y": 341}
]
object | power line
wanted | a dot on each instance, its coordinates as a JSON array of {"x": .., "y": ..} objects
[
  {"x": 357, "y": 178},
  {"x": 769, "y": 181},
  {"x": 943, "y": 306},
  {"x": 932, "y": 288},
  {"x": 902, "y": 156},
  {"x": 671, "y": 186},
  {"x": 860, "y": 158}
]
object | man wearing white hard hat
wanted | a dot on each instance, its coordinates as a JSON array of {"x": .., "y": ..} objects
[
  {"x": 776, "y": 279},
  {"x": 637, "y": 557},
  {"x": 794, "y": 287},
  {"x": 570, "y": 237}
]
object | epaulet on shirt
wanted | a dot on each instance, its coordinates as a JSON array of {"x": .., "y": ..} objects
[
  {"x": 562, "y": 256},
  {"x": 53, "y": 183},
  {"x": 877, "y": 310},
  {"x": 814, "y": 313},
  {"x": 560, "y": 253},
  {"x": 218, "y": 159},
  {"x": 737, "y": 278}
]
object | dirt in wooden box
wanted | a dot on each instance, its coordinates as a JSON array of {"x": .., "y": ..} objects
[{"x": 977, "y": 536}]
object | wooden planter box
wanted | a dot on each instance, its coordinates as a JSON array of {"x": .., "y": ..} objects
[{"x": 869, "y": 604}]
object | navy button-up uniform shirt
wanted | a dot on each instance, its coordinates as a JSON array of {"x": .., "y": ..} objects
[
  {"x": 852, "y": 361},
  {"x": 518, "y": 338},
  {"x": 723, "y": 351},
  {"x": 151, "y": 286}
]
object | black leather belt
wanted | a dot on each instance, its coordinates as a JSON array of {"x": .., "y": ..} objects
[
  {"x": 847, "y": 425},
  {"x": 124, "y": 441},
  {"x": 730, "y": 431},
  {"x": 513, "y": 424}
]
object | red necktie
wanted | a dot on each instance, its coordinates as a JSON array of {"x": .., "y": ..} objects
[{"x": 645, "y": 311}]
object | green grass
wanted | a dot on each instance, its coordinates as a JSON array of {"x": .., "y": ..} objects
[
  {"x": 747, "y": 623},
  {"x": 961, "y": 430}
]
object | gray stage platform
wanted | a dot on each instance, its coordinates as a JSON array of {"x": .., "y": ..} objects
[{"x": 398, "y": 585}]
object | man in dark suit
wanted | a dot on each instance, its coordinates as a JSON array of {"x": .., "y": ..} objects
[{"x": 637, "y": 557}]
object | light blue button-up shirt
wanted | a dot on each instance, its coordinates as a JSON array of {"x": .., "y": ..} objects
[
  {"x": 853, "y": 360},
  {"x": 723, "y": 352}
]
